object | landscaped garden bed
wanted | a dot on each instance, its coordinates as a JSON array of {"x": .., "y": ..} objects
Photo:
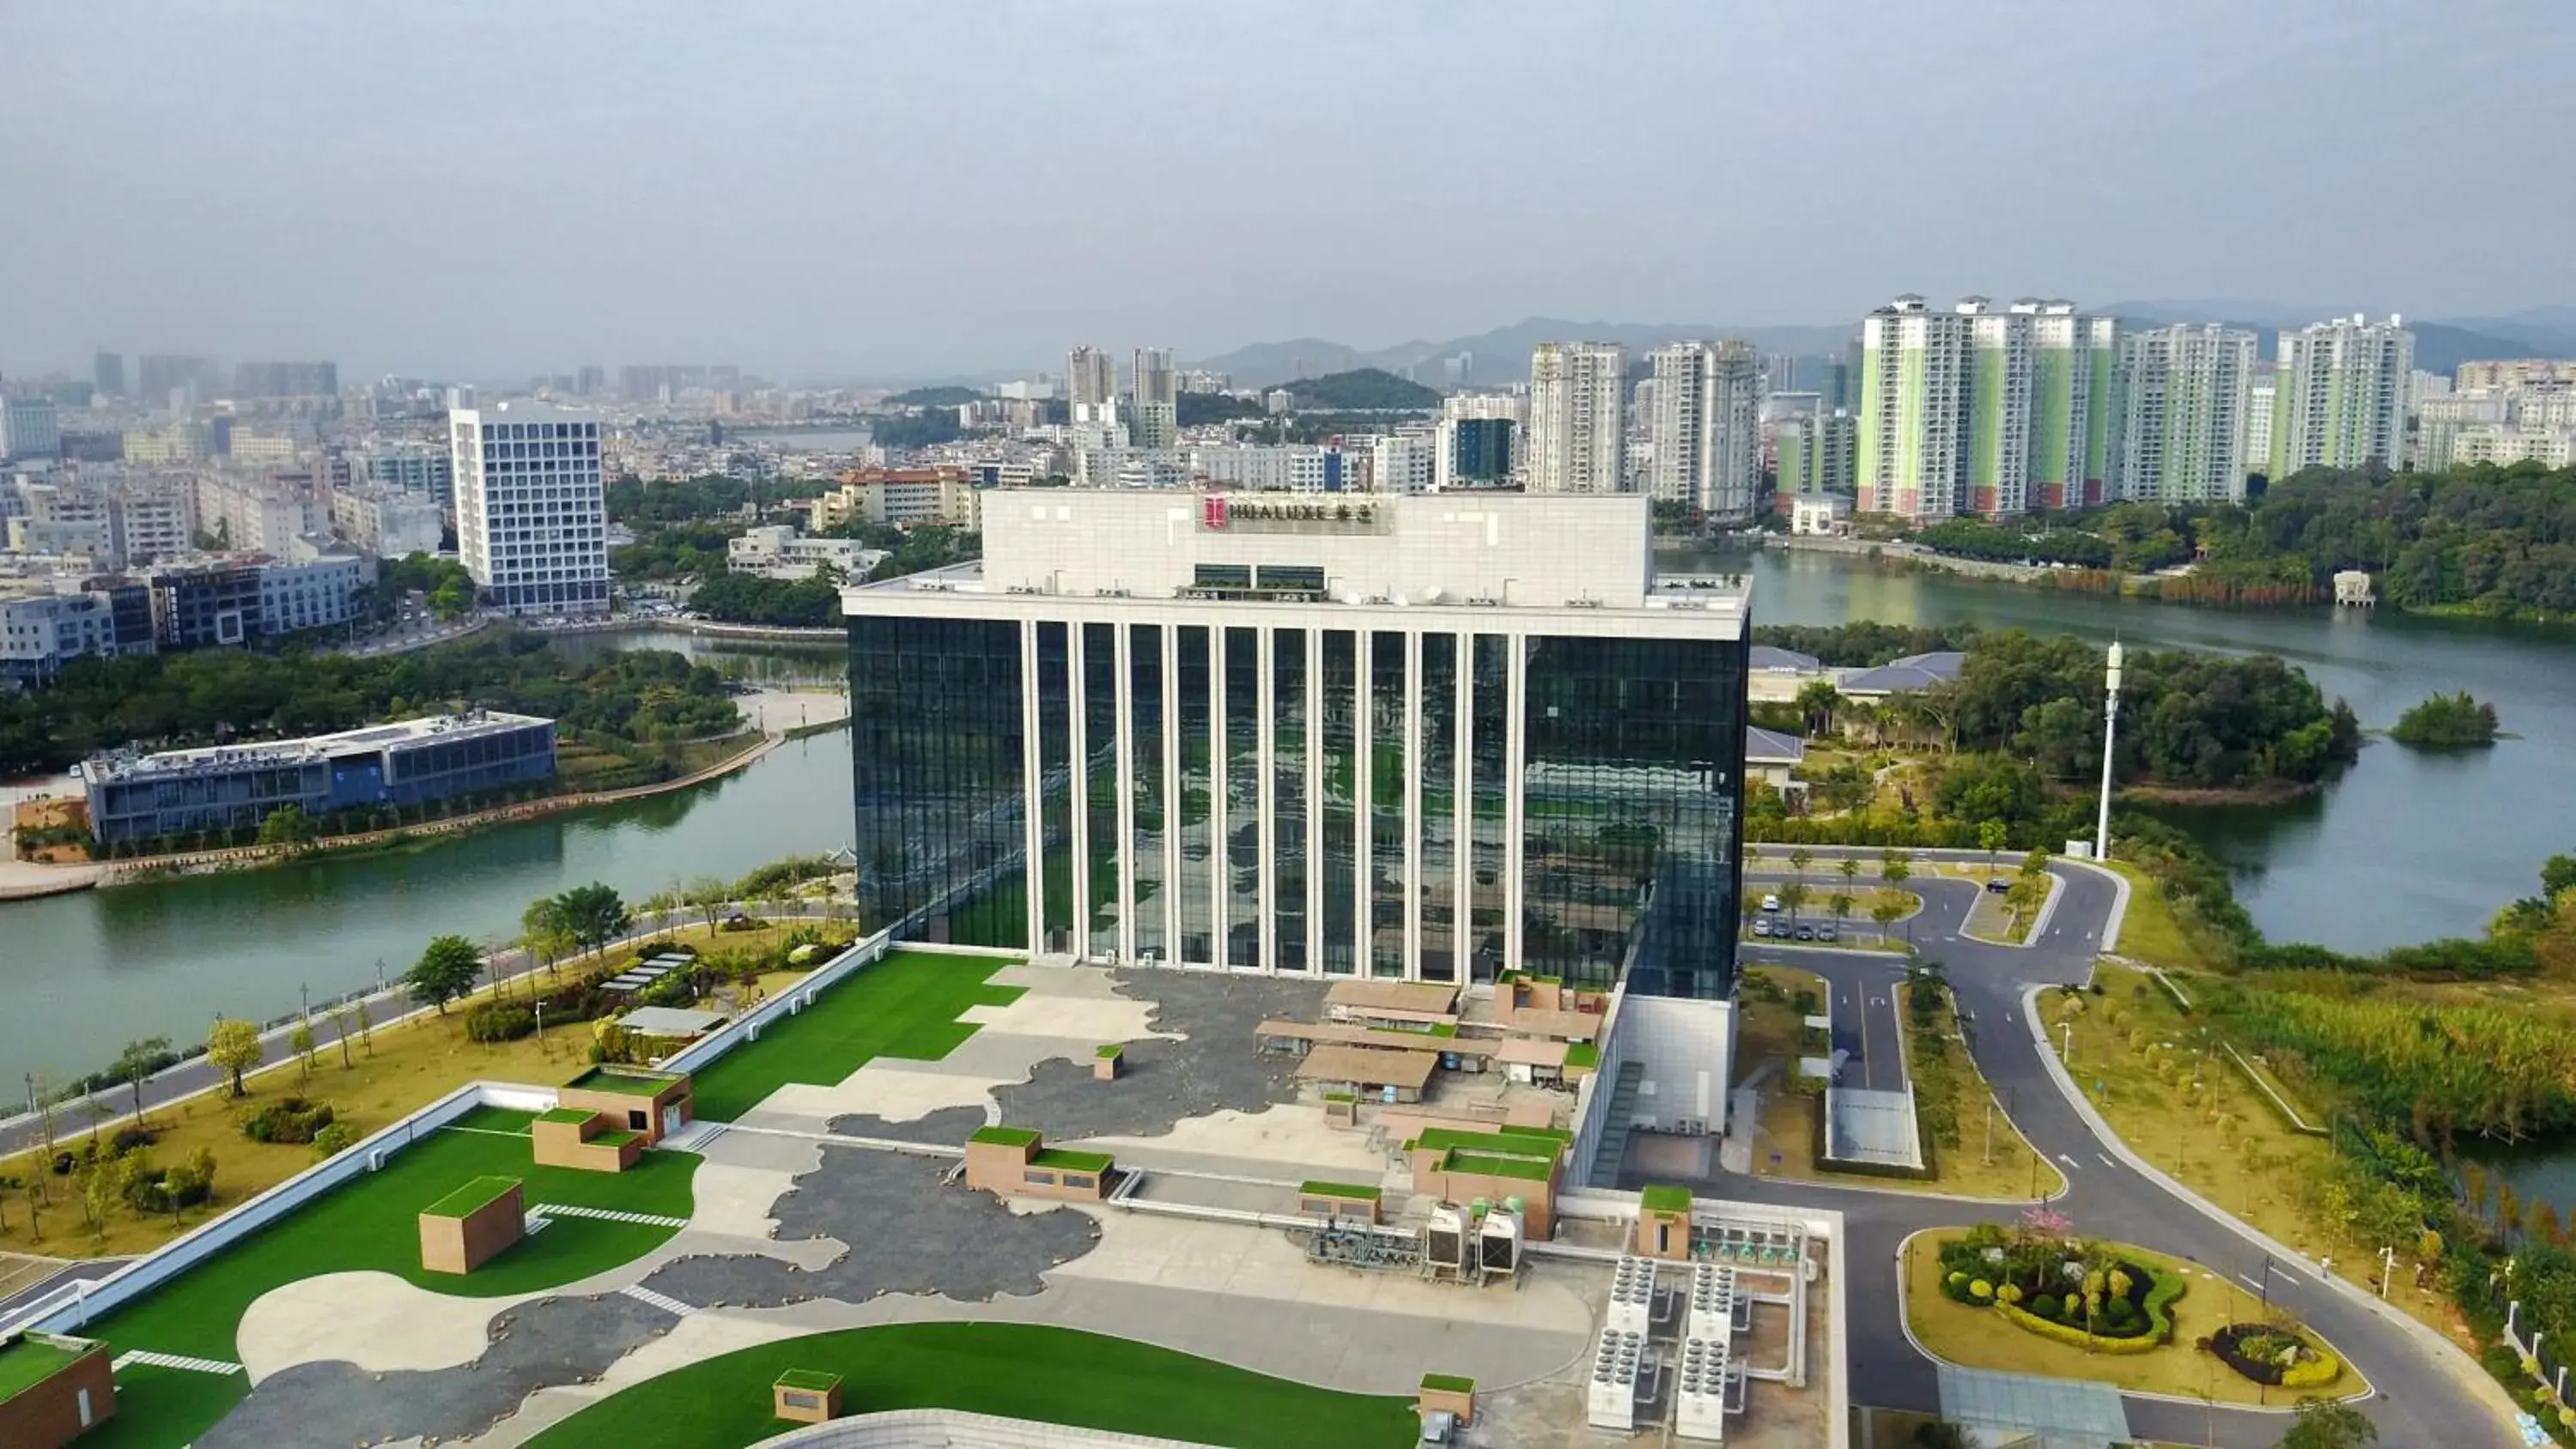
[
  {"x": 2041, "y": 1278},
  {"x": 2275, "y": 1355}
]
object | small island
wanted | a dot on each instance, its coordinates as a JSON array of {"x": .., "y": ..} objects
[{"x": 2447, "y": 722}]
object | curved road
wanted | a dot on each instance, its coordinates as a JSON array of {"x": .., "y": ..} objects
[{"x": 2424, "y": 1396}]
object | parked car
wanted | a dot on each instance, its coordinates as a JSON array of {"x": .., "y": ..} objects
[
  {"x": 1998, "y": 885},
  {"x": 1770, "y": 903},
  {"x": 1761, "y": 927},
  {"x": 1806, "y": 933},
  {"x": 1825, "y": 933}
]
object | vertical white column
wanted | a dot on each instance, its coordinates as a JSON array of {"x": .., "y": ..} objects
[
  {"x": 1462, "y": 779},
  {"x": 1032, "y": 788},
  {"x": 1266, "y": 712},
  {"x": 1413, "y": 804},
  {"x": 1314, "y": 801},
  {"x": 1218, "y": 875},
  {"x": 1363, "y": 799},
  {"x": 1125, "y": 848},
  {"x": 1081, "y": 796},
  {"x": 1516, "y": 797},
  {"x": 1169, "y": 637}
]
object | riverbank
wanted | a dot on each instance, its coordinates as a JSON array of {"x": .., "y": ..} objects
[{"x": 703, "y": 628}]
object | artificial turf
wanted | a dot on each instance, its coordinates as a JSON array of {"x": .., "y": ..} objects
[
  {"x": 1015, "y": 1370},
  {"x": 372, "y": 1223},
  {"x": 25, "y": 1363},
  {"x": 906, "y": 1005}
]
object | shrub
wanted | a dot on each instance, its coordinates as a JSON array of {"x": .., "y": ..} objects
[
  {"x": 2045, "y": 1305},
  {"x": 2315, "y": 1370},
  {"x": 500, "y": 1021},
  {"x": 2009, "y": 1293},
  {"x": 1981, "y": 1290},
  {"x": 333, "y": 1140},
  {"x": 2075, "y": 1336},
  {"x": 129, "y": 1139},
  {"x": 290, "y": 1119}
]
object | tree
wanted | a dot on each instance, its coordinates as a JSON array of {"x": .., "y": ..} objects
[
  {"x": 141, "y": 1059},
  {"x": 452, "y": 598},
  {"x": 289, "y": 826},
  {"x": 1800, "y": 859},
  {"x": 233, "y": 1047},
  {"x": 707, "y": 896},
  {"x": 1885, "y": 912},
  {"x": 1816, "y": 703},
  {"x": 1840, "y": 903},
  {"x": 595, "y": 914},
  {"x": 1991, "y": 835},
  {"x": 1793, "y": 895},
  {"x": 2557, "y": 874},
  {"x": 1896, "y": 867},
  {"x": 340, "y": 1029},
  {"x": 1849, "y": 869},
  {"x": 445, "y": 971},
  {"x": 300, "y": 1042},
  {"x": 103, "y": 1189},
  {"x": 2325, "y": 1424},
  {"x": 544, "y": 933}
]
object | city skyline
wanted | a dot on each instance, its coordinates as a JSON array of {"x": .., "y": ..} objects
[{"x": 784, "y": 259}]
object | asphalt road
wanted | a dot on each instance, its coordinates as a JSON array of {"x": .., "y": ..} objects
[
  {"x": 2421, "y": 1398},
  {"x": 73, "y": 1118}
]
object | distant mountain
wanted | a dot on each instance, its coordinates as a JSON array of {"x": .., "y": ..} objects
[
  {"x": 1367, "y": 388},
  {"x": 1499, "y": 356}
]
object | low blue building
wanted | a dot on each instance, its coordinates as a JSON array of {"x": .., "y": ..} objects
[{"x": 235, "y": 787}]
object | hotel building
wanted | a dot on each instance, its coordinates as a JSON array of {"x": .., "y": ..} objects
[{"x": 1421, "y": 738}]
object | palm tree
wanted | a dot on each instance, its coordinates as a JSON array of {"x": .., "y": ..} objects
[
  {"x": 1849, "y": 869},
  {"x": 1840, "y": 903},
  {"x": 1800, "y": 859},
  {"x": 1885, "y": 912},
  {"x": 1895, "y": 866}
]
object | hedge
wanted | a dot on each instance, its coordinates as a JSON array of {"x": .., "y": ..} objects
[
  {"x": 289, "y": 1119},
  {"x": 2095, "y": 1343}
]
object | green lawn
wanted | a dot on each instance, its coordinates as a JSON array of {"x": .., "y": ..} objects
[
  {"x": 903, "y": 1006},
  {"x": 25, "y": 1363},
  {"x": 1019, "y": 1371},
  {"x": 159, "y": 1407},
  {"x": 373, "y": 1223}
]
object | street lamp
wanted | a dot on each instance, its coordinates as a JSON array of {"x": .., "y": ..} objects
[{"x": 2110, "y": 734}]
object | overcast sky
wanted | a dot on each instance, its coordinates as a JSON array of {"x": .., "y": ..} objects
[{"x": 880, "y": 187}]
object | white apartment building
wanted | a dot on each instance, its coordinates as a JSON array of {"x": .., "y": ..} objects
[
  {"x": 1273, "y": 467},
  {"x": 2341, "y": 399},
  {"x": 2184, "y": 392},
  {"x": 1577, "y": 436},
  {"x": 38, "y": 633},
  {"x": 2516, "y": 374},
  {"x": 2260, "y": 394},
  {"x": 319, "y": 590},
  {"x": 29, "y": 429},
  {"x": 775, "y": 551},
  {"x": 1155, "y": 381},
  {"x": 387, "y": 522},
  {"x": 1914, "y": 367},
  {"x": 1976, "y": 410},
  {"x": 255, "y": 515},
  {"x": 531, "y": 510},
  {"x": 1491, "y": 455},
  {"x": 2441, "y": 418},
  {"x": 1706, "y": 431},
  {"x": 1405, "y": 462},
  {"x": 2503, "y": 443},
  {"x": 415, "y": 468},
  {"x": 1090, "y": 377}
]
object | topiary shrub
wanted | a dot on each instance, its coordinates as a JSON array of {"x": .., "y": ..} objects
[
  {"x": 333, "y": 1140},
  {"x": 289, "y": 1120},
  {"x": 1981, "y": 1290},
  {"x": 2045, "y": 1305},
  {"x": 2009, "y": 1293}
]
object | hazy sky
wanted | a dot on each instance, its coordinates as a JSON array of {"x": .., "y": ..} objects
[{"x": 865, "y": 186}]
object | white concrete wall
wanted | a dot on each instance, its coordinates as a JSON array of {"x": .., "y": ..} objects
[
  {"x": 1688, "y": 1048},
  {"x": 954, "y": 1429}
]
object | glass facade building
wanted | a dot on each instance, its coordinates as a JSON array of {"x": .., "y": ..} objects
[{"x": 1304, "y": 780}]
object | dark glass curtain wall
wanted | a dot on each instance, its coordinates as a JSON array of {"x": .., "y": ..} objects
[{"x": 938, "y": 779}]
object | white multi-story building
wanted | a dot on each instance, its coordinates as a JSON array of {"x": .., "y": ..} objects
[
  {"x": 775, "y": 551},
  {"x": 29, "y": 429},
  {"x": 2260, "y": 394},
  {"x": 1982, "y": 411},
  {"x": 1480, "y": 440},
  {"x": 531, "y": 509},
  {"x": 38, "y": 633},
  {"x": 1273, "y": 467},
  {"x": 1403, "y": 462},
  {"x": 2183, "y": 392},
  {"x": 2516, "y": 374},
  {"x": 2341, "y": 395},
  {"x": 1090, "y": 377},
  {"x": 387, "y": 522},
  {"x": 256, "y": 515},
  {"x": 1430, "y": 738},
  {"x": 2440, "y": 418},
  {"x": 2501, "y": 443},
  {"x": 1706, "y": 428},
  {"x": 153, "y": 518},
  {"x": 415, "y": 468},
  {"x": 316, "y": 590},
  {"x": 1578, "y": 440},
  {"x": 1914, "y": 365},
  {"x": 1813, "y": 453}
]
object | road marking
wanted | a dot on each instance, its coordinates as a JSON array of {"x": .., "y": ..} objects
[
  {"x": 2069, "y": 1159},
  {"x": 2098, "y": 1157},
  {"x": 2248, "y": 1282}
]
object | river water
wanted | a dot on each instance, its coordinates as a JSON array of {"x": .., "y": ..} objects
[{"x": 2403, "y": 848}]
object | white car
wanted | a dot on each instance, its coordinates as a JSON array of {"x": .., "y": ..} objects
[{"x": 1770, "y": 903}]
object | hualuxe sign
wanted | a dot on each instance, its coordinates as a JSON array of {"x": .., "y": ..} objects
[{"x": 1230, "y": 513}]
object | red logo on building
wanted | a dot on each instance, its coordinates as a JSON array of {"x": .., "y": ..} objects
[{"x": 1212, "y": 511}]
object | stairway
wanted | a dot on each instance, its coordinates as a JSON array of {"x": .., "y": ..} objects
[{"x": 1615, "y": 1119}]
